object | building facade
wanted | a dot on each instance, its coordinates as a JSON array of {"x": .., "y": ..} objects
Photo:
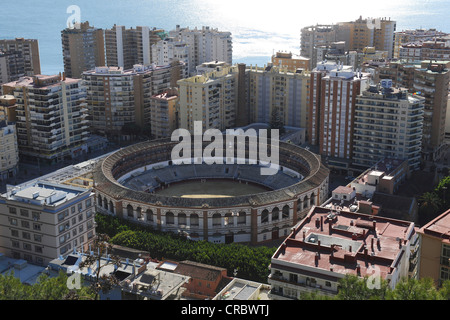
[
  {"x": 435, "y": 249},
  {"x": 168, "y": 50},
  {"x": 164, "y": 113},
  {"x": 9, "y": 151},
  {"x": 333, "y": 92},
  {"x": 288, "y": 61},
  {"x": 26, "y": 49},
  {"x": 205, "y": 44},
  {"x": 277, "y": 90},
  {"x": 83, "y": 49},
  {"x": 210, "y": 98},
  {"x": 388, "y": 124},
  {"x": 51, "y": 117},
  {"x": 431, "y": 80},
  {"x": 127, "y": 47},
  {"x": 41, "y": 221},
  {"x": 116, "y": 97}
]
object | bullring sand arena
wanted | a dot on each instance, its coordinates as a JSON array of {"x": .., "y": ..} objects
[{"x": 224, "y": 203}]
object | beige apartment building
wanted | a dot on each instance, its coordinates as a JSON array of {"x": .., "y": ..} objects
[
  {"x": 435, "y": 249},
  {"x": 211, "y": 98},
  {"x": 414, "y": 36},
  {"x": 40, "y": 221},
  {"x": 290, "y": 62},
  {"x": 116, "y": 97},
  {"x": 83, "y": 49},
  {"x": 51, "y": 117},
  {"x": 28, "y": 50},
  {"x": 9, "y": 151},
  {"x": 164, "y": 113},
  {"x": 277, "y": 90}
]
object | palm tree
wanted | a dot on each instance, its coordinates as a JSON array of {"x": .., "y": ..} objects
[{"x": 430, "y": 205}]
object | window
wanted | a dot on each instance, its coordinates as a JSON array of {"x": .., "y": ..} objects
[
  {"x": 88, "y": 203},
  {"x": 80, "y": 207},
  {"x": 37, "y": 238},
  {"x": 14, "y": 233},
  {"x": 25, "y": 224},
  {"x": 80, "y": 217},
  {"x": 24, "y": 213},
  {"x": 15, "y": 244},
  {"x": 13, "y": 222},
  {"x": 36, "y": 215},
  {"x": 12, "y": 210},
  {"x": 37, "y": 226},
  {"x": 27, "y": 246}
]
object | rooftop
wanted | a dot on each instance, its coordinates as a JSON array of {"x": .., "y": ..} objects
[
  {"x": 344, "y": 243},
  {"x": 27, "y": 273},
  {"x": 438, "y": 227},
  {"x": 43, "y": 193}
]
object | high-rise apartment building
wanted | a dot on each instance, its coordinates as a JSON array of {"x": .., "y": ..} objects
[
  {"x": 333, "y": 92},
  {"x": 18, "y": 57},
  {"x": 12, "y": 66},
  {"x": 211, "y": 98},
  {"x": 51, "y": 116},
  {"x": 355, "y": 35},
  {"x": 205, "y": 45},
  {"x": 164, "y": 113},
  {"x": 314, "y": 36},
  {"x": 83, "y": 49},
  {"x": 116, "y": 97},
  {"x": 9, "y": 151},
  {"x": 431, "y": 80},
  {"x": 378, "y": 33},
  {"x": 169, "y": 50},
  {"x": 387, "y": 124},
  {"x": 414, "y": 36},
  {"x": 276, "y": 90},
  {"x": 127, "y": 47},
  {"x": 428, "y": 50},
  {"x": 40, "y": 221}
]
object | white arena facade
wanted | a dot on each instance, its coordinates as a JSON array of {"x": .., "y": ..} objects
[{"x": 221, "y": 203}]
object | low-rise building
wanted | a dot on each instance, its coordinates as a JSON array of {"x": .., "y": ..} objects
[
  {"x": 435, "y": 249},
  {"x": 40, "y": 221},
  {"x": 330, "y": 244}
]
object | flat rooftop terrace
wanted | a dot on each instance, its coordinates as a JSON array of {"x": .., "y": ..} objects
[{"x": 345, "y": 243}]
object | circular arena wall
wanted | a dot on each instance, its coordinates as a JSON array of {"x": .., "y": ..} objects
[{"x": 251, "y": 218}]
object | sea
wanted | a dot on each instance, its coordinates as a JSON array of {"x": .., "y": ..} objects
[{"x": 259, "y": 27}]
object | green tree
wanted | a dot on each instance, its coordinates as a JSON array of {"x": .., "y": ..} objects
[
  {"x": 352, "y": 287},
  {"x": 413, "y": 289},
  {"x": 430, "y": 205}
]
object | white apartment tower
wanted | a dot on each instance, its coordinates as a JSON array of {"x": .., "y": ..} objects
[
  {"x": 168, "y": 50},
  {"x": 205, "y": 45},
  {"x": 388, "y": 124}
]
